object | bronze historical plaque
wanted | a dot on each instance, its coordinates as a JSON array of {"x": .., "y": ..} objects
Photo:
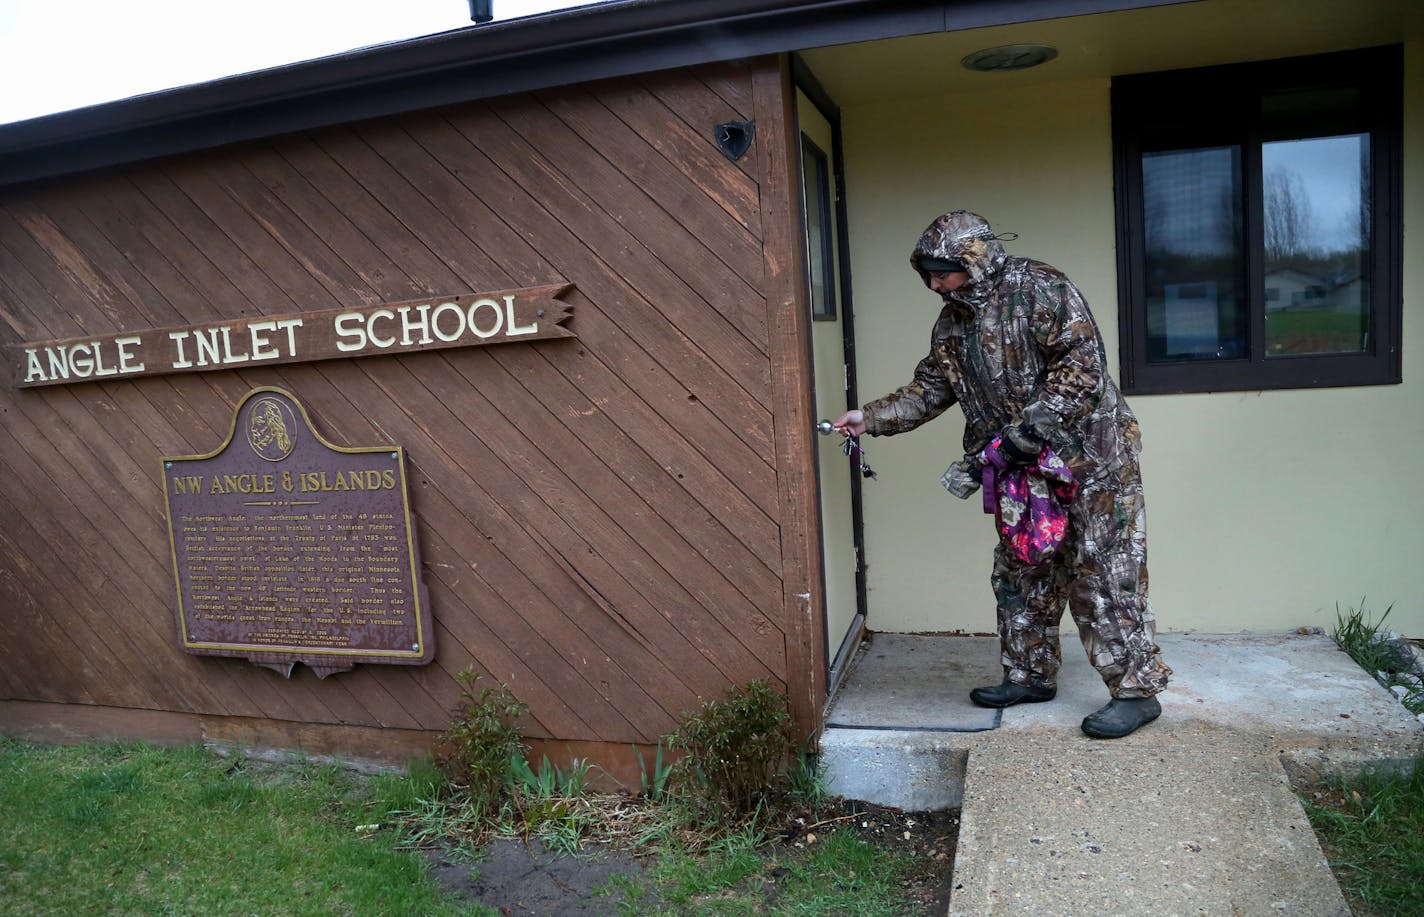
[{"x": 288, "y": 549}]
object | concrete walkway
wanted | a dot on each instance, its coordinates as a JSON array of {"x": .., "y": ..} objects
[{"x": 1193, "y": 814}]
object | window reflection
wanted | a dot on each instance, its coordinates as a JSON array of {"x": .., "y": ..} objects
[
  {"x": 1316, "y": 222},
  {"x": 820, "y": 267},
  {"x": 1194, "y": 267}
]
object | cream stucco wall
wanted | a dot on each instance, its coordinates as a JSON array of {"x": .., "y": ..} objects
[{"x": 1266, "y": 510}]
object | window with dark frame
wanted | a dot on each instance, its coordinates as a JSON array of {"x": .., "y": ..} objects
[
  {"x": 820, "y": 257},
  {"x": 1259, "y": 224}
]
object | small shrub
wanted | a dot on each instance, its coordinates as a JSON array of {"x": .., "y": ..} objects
[
  {"x": 480, "y": 744},
  {"x": 735, "y": 746}
]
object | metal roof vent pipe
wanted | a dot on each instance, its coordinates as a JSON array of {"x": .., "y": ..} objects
[{"x": 481, "y": 10}]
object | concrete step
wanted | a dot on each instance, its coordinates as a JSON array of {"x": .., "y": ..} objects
[
  {"x": 1057, "y": 824},
  {"x": 1192, "y": 814},
  {"x": 900, "y": 729}
]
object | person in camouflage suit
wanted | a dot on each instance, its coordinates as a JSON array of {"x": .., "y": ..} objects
[{"x": 1017, "y": 349}]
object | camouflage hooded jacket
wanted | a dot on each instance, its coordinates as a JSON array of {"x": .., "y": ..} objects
[{"x": 1015, "y": 344}]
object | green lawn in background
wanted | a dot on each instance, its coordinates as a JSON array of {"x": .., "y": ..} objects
[{"x": 1313, "y": 331}]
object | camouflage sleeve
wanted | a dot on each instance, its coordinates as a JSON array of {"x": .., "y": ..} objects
[
  {"x": 926, "y": 397},
  {"x": 1073, "y": 352}
]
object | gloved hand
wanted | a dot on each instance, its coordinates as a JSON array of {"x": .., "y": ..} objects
[
  {"x": 962, "y": 478},
  {"x": 1019, "y": 445}
]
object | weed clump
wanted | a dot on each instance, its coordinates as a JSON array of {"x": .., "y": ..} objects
[
  {"x": 736, "y": 745},
  {"x": 551, "y": 803},
  {"x": 1381, "y": 653},
  {"x": 492, "y": 789},
  {"x": 733, "y": 764}
]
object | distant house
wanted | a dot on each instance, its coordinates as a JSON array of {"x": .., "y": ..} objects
[
  {"x": 1288, "y": 288},
  {"x": 1349, "y": 291},
  {"x": 623, "y": 520}
]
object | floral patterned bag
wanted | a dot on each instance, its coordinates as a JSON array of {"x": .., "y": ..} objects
[{"x": 1029, "y": 502}]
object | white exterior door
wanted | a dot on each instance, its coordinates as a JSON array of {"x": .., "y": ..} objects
[{"x": 839, "y": 536}]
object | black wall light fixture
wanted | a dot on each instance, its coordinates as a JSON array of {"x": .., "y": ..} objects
[
  {"x": 481, "y": 10},
  {"x": 734, "y": 138}
]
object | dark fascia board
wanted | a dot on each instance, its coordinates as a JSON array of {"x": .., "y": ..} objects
[{"x": 574, "y": 46}]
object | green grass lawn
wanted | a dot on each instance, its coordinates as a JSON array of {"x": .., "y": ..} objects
[
  {"x": 841, "y": 874},
  {"x": 1372, "y": 831},
  {"x": 127, "y": 828},
  {"x": 133, "y": 829},
  {"x": 136, "y": 829}
]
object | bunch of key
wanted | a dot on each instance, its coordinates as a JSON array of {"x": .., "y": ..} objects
[{"x": 850, "y": 448}]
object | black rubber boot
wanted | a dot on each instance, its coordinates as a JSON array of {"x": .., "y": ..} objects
[
  {"x": 1122, "y": 716},
  {"x": 1009, "y": 693}
]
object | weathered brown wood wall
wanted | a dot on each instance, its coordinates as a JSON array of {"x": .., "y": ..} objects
[{"x": 615, "y": 525}]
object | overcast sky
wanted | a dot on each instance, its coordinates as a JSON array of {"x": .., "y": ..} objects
[{"x": 61, "y": 54}]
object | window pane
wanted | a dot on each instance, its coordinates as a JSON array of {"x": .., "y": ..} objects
[
  {"x": 1194, "y": 255},
  {"x": 819, "y": 263},
  {"x": 1317, "y": 244}
]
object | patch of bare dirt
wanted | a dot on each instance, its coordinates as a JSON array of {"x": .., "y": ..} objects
[
  {"x": 930, "y": 837},
  {"x": 524, "y": 879}
]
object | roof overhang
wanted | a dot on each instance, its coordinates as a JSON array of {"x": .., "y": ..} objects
[{"x": 587, "y": 43}]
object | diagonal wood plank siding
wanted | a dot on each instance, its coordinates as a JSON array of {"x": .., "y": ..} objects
[{"x": 602, "y": 521}]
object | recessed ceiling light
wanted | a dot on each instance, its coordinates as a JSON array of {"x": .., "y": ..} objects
[{"x": 1009, "y": 57}]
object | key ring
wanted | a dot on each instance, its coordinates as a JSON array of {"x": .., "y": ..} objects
[{"x": 850, "y": 448}]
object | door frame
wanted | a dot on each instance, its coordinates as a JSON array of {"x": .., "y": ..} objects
[{"x": 837, "y": 662}]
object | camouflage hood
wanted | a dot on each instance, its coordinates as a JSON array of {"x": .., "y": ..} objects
[{"x": 966, "y": 238}]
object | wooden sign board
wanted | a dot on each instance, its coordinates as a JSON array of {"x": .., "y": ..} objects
[
  {"x": 288, "y": 549},
  {"x": 475, "y": 319}
]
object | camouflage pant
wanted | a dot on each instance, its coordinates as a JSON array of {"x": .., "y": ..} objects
[{"x": 1101, "y": 572}]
